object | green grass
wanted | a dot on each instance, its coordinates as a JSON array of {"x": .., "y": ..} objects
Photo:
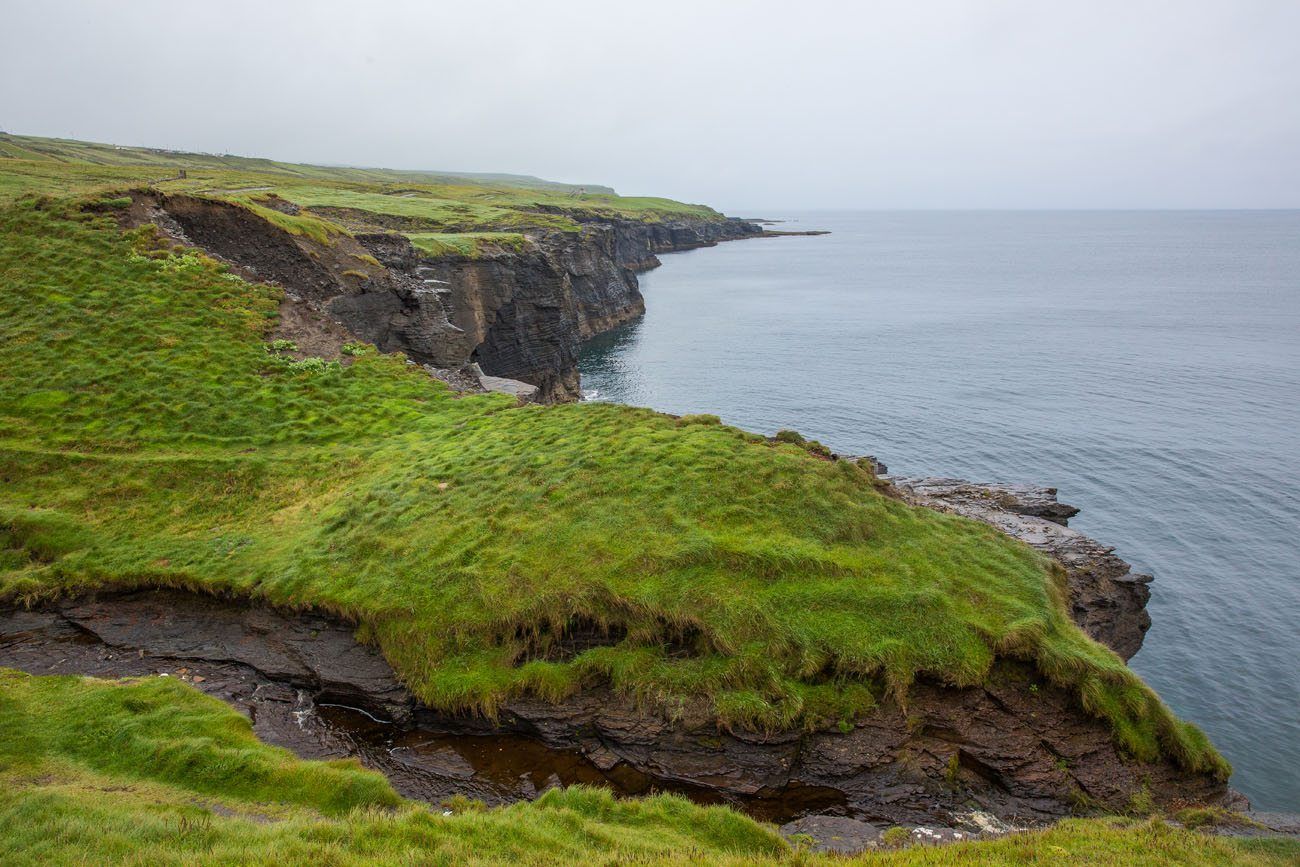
[
  {"x": 425, "y": 208},
  {"x": 442, "y": 214},
  {"x": 71, "y": 153},
  {"x": 303, "y": 225},
  {"x": 149, "y": 771},
  {"x": 152, "y": 772},
  {"x": 469, "y": 244},
  {"x": 147, "y": 438},
  {"x": 444, "y": 201}
]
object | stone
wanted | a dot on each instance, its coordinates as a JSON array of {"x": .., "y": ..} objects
[{"x": 838, "y": 834}]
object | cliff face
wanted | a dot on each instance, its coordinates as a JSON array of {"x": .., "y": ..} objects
[{"x": 518, "y": 313}]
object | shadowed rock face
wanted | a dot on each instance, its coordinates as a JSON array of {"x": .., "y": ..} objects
[
  {"x": 1107, "y": 599},
  {"x": 1016, "y": 748},
  {"x": 519, "y": 314},
  {"x": 522, "y": 315}
]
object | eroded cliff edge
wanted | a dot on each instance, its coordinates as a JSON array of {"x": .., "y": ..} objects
[
  {"x": 518, "y": 310},
  {"x": 1015, "y": 747},
  {"x": 1107, "y": 598}
]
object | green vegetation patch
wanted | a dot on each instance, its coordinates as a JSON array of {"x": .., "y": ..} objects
[
  {"x": 143, "y": 415},
  {"x": 437, "y": 201},
  {"x": 190, "y": 783},
  {"x": 463, "y": 213},
  {"x": 305, "y": 225},
  {"x": 470, "y": 245}
]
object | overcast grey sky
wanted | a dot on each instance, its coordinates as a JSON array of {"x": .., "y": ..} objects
[{"x": 744, "y": 105}]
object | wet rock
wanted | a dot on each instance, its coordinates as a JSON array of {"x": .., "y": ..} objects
[
  {"x": 1030, "y": 500},
  {"x": 1107, "y": 599},
  {"x": 1016, "y": 747},
  {"x": 298, "y": 650},
  {"x": 444, "y": 762},
  {"x": 1261, "y": 823},
  {"x": 838, "y": 834}
]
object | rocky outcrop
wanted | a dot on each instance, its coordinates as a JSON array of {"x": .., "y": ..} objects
[
  {"x": 1107, "y": 598},
  {"x": 637, "y": 244},
  {"x": 522, "y": 314},
  {"x": 518, "y": 313},
  {"x": 1016, "y": 748}
]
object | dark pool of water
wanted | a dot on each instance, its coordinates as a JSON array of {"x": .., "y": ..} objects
[
  {"x": 503, "y": 768},
  {"x": 1146, "y": 363}
]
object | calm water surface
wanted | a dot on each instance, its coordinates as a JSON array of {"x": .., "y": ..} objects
[{"x": 1145, "y": 363}]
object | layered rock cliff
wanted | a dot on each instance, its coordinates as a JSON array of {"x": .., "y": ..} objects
[{"x": 518, "y": 312}]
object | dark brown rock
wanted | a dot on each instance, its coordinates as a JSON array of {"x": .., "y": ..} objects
[{"x": 838, "y": 834}]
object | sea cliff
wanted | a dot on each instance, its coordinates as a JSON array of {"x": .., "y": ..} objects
[
  {"x": 227, "y": 459},
  {"x": 518, "y": 310}
]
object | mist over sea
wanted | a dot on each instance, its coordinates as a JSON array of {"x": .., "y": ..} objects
[{"x": 1145, "y": 363}]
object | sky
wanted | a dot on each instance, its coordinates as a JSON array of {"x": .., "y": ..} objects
[{"x": 741, "y": 105}]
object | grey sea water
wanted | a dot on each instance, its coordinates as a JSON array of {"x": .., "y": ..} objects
[{"x": 1145, "y": 363}]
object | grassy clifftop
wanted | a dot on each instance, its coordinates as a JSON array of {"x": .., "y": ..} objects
[
  {"x": 417, "y": 201},
  {"x": 147, "y": 437},
  {"x": 190, "y": 784}
]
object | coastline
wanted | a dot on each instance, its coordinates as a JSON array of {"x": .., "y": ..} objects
[{"x": 1010, "y": 733}]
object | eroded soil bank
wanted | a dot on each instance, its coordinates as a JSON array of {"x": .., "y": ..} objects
[
  {"x": 1016, "y": 748},
  {"x": 307, "y": 685},
  {"x": 1015, "y": 751}
]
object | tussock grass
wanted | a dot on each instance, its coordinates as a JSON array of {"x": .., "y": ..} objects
[
  {"x": 190, "y": 784},
  {"x": 150, "y": 439}
]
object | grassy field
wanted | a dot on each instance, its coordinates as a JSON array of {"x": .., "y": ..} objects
[
  {"x": 431, "y": 202},
  {"x": 152, "y": 772},
  {"x": 468, "y": 244},
  {"x": 149, "y": 438}
]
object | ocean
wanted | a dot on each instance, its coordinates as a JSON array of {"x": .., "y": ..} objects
[{"x": 1147, "y": 364}]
